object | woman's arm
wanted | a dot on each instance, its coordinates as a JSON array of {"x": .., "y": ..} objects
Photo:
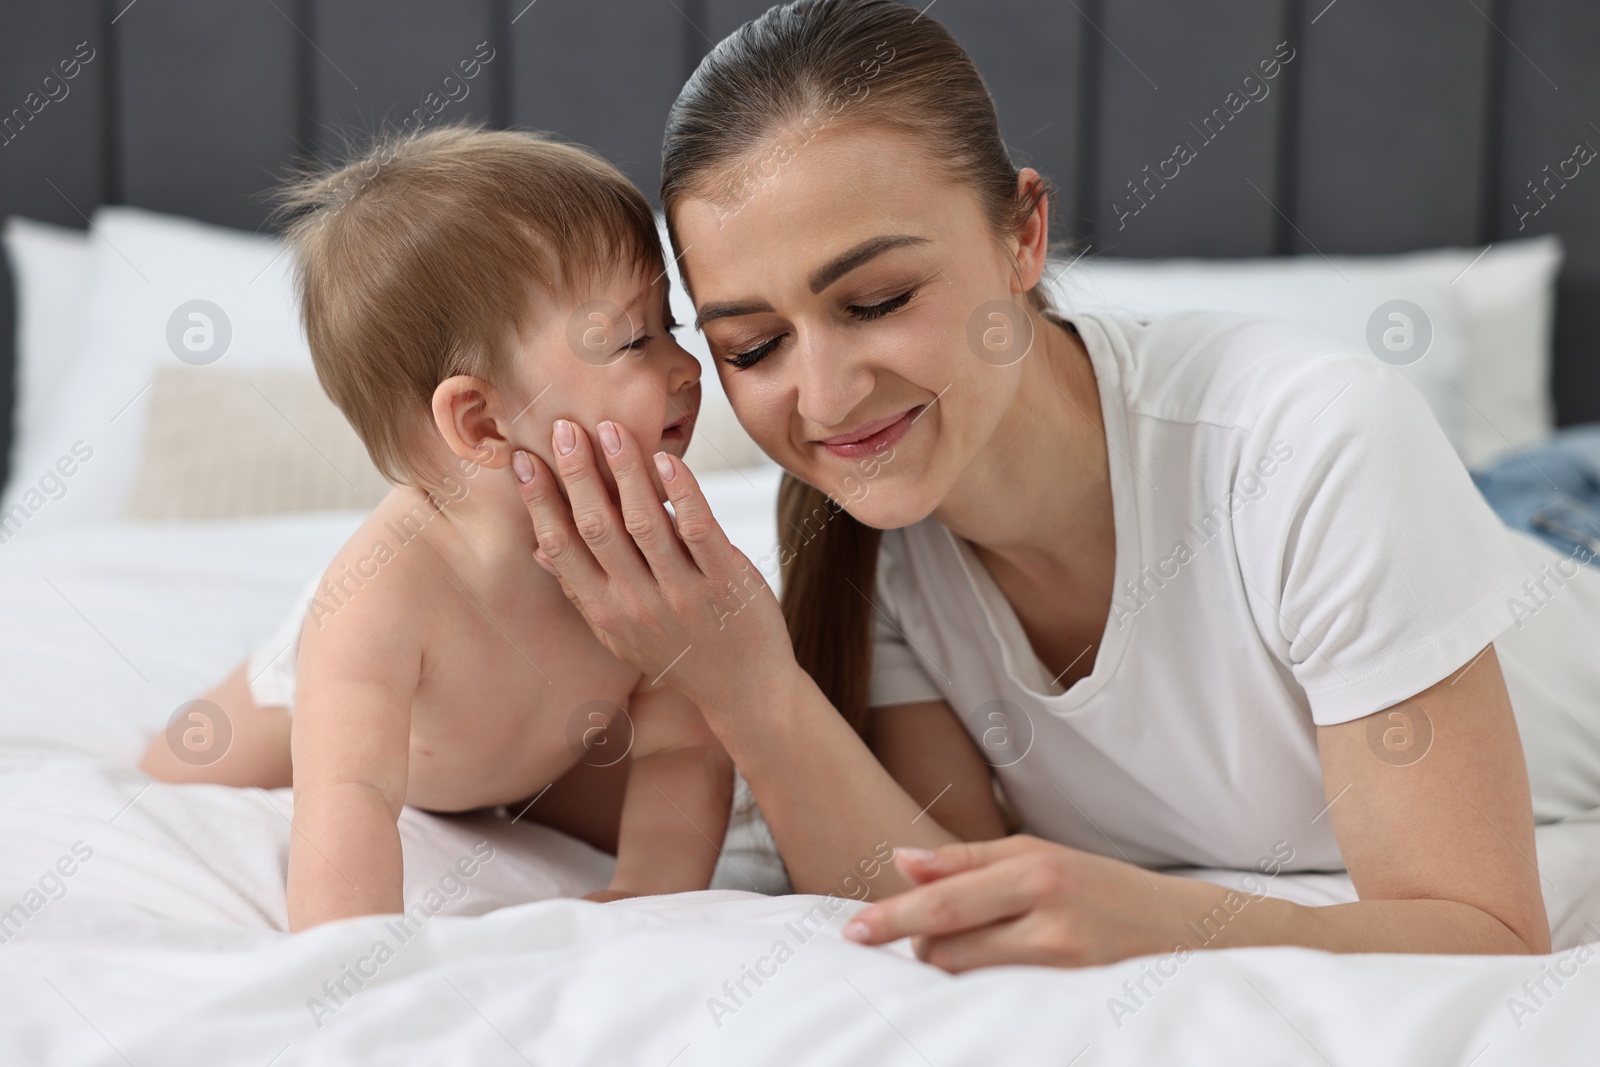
[
  {"x": 1439, "y": 845},
  {"x": 1438, "y": 840},
  {"x": 831, "y": 805},
  {"x": 686, "y": 607}
]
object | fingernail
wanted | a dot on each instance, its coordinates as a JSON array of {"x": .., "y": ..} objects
[
  {"x": 566, "y": 440},
  {"x": 857, "y": 931},
  {"x": 544, "y": 561},
  {"x": 521, "y": 467},
  {"x": 664, "y": 467},
  {"x": 915, "y": 855},
  {"x": 609, "y": 439}
]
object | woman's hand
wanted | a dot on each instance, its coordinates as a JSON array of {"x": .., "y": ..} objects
[
  {"x": 680, "y": 603},
  {"x": 1020, "y": 900},
  {"x": 606, "y": 896},
  {"x": 690, "y": 611}
]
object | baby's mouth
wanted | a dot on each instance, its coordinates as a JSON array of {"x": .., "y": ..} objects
[
  {"x": 683, "y": 411},
  {"x": 675, "y": 435}
]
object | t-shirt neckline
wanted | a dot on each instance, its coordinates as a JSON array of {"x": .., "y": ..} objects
[{"x": 1022, "y": 664}]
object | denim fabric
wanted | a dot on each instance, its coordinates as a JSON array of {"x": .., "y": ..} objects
[{"x": 1551, "y": 490}]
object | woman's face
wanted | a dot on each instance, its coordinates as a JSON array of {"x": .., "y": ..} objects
[{"x": 838, "y": 295}]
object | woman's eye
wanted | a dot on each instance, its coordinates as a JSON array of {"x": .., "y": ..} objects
[
  {"x": 867, "y": 312},
  {"x": 748, "y": 359}
]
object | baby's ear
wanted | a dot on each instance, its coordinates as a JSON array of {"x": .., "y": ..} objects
[{"x": 463, "y": 415}]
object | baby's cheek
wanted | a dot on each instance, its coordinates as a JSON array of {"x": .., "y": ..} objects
[
  {"x": 589, "y": 394},
  {"x": 644, "y": 409}
]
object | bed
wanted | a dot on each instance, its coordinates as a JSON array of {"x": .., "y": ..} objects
[
  {"x": 166, "y": 943},
  {"x": 145, "y": 923}
]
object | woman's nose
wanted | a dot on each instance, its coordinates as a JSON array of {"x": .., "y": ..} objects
[{"x": 829, "y": 383}]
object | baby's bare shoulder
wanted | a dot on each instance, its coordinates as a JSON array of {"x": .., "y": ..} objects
[
  {"x": 385, "y": 576},
  {"x": 390, "y": 593}
]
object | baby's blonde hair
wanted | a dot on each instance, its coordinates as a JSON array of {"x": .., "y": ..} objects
[{"x": 417, "y": 259}]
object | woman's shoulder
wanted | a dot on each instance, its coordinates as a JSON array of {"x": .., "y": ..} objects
[
  {"x": 1224, "y": 368},
  {"x": 911, "y": 556}
]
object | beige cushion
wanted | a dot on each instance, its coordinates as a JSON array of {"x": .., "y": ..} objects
[{"x": 222, "y": 444}]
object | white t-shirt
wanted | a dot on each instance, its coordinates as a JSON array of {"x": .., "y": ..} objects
[{"x": 1296, "y": 544}]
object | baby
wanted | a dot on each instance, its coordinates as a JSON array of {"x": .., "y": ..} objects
[{"x": 468, "y": 293}]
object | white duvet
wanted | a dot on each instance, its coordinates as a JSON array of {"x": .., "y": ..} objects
[{"x": 143, "y": 924}]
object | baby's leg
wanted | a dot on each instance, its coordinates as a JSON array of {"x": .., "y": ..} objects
[{"x": 257, "y": 755}]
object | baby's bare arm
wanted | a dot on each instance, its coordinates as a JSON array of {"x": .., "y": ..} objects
[
  {"x": 680, "y": 787},
  {"x": 350, "y": 742}
]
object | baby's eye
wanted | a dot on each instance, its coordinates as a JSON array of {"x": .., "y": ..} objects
[{"x": 638, "y": 344}]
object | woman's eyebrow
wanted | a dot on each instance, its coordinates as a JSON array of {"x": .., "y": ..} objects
[
  {"x": 728, "y": 311},
  {"x": 861, "y": 253},
  {"x": 820, "y": 279}
]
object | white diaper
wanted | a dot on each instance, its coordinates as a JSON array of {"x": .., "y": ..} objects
[
  {"x": 749, "y": 859},
  {"x": 271, "y": 667}
]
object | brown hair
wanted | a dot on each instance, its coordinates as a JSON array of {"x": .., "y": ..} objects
[
  {"x": 797, "y": 68},
  {"x": 417, "y": 258}
]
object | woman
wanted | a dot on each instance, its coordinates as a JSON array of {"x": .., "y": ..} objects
[{"x": 1201, "y": 591}]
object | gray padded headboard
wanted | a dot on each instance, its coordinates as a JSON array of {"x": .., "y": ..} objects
[{"x": 1399, "y": 124}]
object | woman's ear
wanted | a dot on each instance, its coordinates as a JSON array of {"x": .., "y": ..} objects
[
  {"x": 461, "y": 412},
  {"x": 1033, "y": 237}
]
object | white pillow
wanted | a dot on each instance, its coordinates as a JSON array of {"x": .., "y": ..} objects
[
  {"x": 146, "y": 271},
  {"x": 50, "y": 268},
  {"x": 1338, "y": 297},
  {"x": 1491, "y": 337},
  {"x": 1508, "y": 301},
  {"x": 1486, "y": 370}
]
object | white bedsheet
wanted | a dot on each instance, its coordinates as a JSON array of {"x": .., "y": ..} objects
[{"x": 164, "y": 944}]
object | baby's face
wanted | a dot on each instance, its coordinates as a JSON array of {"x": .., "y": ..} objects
[{"x": 607, "y": 354}]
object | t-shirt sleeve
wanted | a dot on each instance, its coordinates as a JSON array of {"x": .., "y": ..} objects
[
  {"x": 898, "y": 676},
  {"x": 1371, "y": 560}
]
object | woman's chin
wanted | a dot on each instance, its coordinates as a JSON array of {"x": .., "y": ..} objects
[{"x": 886, "y": 510}]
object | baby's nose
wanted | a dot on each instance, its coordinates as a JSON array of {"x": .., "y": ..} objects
[{"x": 685, "y": 370}]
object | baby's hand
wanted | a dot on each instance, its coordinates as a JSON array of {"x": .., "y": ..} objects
[{"x": 605, "y": 896}]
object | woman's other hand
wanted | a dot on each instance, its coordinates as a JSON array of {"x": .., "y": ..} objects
[
  {"x": 1021, "y": 900},
  {"x": 678, "y": 601},
  {"x": 606, "y": 896}
]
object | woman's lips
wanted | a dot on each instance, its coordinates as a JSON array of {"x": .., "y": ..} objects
[{"x": 872, "y": 437}]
